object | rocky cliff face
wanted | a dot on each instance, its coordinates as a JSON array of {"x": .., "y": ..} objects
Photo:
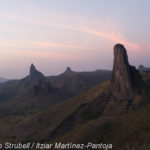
[
  {"x": 42, "y": 87},
  {"x": 126, "y": 80},
  {"x": 35, "y": 75}
]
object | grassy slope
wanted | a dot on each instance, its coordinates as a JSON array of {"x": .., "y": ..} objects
[
  {"x": 77, "y": 82},
  {"x": 129, "y": 128},
  {"x": 49, "y": 119},
  {"x": 19, "y": 94},
  {"x": 17, "y": 123}
]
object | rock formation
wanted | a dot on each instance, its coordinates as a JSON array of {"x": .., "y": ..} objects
[
  {"x": 142, "y": 68},
  {"x": 42, "y": 87},
  {"x": 68, "y": 70},
  {"x": 35, "y": 74},
  {"x": 126, "y": 81},
  {"x": 40, "y": 84}
]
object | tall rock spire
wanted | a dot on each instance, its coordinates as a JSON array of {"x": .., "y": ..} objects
[
  {"x": 32, "y": 70},
  {"x": 126, "y": 81},
  {"x": 35, "y": 74}
]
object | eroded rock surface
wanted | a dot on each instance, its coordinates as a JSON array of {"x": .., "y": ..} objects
[{"x": 126, "y": 80}]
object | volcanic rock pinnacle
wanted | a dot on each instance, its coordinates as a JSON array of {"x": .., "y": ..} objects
[
  {"x": 35, "y": 74},
  {"x": 126, "y": 81}
]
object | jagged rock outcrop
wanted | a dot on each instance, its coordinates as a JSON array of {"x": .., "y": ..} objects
[
  {"x": 142, "y": 68},
  {"x": 68, "y": 70},
  {"x": 126, "y": 81},
  {"x": 35, "y": 75}
]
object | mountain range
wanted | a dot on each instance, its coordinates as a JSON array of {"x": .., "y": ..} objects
[
  {"x": 2, "y": 80},
  {"x": 79, "y": 107},
  {"x": 37, "y": 92}
]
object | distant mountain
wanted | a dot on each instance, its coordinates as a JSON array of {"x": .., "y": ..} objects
[
  {"x": 79, "y": 107},
  {"x": 142, "y": 68},
  {"x": 41, "y": 92},
  {"x": 3, "y": 80},
  {"x": 99, "y": 113},
  {"x": 34, "y": 74},
  {"x": 68, "y": 70},
  {"x": 76, "y": 82},
  {"x": 16, "y": 89}
]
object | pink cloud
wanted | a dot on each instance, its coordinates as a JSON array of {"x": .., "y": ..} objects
[
  {"x": 57, "y": 45},
  {"x": 13, "y": 53},
  {"x": 116, "y": 37},
  {"x": 21, "y": 44}
]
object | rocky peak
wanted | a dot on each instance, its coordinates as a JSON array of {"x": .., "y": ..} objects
[
  {"x": 142, "y": 68},
  {"x": 68, "y": 70},
  {"x": 32, "y": 69},
  {"x": 126, "y": 81},
  {"x": 34, "y": 73}
]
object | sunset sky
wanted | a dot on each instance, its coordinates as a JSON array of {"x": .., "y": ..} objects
[{"x": 81, "y": 34}]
